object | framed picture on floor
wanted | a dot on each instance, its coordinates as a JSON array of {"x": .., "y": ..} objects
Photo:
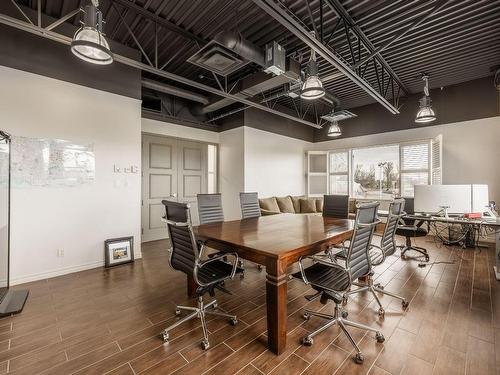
[{"x": 118, "y": 251}]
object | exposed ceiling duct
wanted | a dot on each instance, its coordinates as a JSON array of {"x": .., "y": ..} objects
[
  {"x": 227, "y": 53},
  {"x": 173, "y": 90},
  {"x": 256, "y": 84}
]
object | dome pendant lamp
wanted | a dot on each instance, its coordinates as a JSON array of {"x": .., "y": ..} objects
[
  {"x": 89, "y": 43},
  {"x": 425, "y": 112},
  {"x": 312, "y": 87}
]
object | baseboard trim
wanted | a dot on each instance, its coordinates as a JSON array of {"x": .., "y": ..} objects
[{"x": 60, "y": 271}]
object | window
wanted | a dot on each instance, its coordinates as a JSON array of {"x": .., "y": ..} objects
[
  {"x": 386, "y": 171},
  {"x": 375, "y": 172},
  {"x": 339, "y": 172},
  {"x": 414, "y": 166},
  {"x": 212, "y": 169}
]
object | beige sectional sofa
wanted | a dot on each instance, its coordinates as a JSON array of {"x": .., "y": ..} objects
[{"x": 296, "y": 205}]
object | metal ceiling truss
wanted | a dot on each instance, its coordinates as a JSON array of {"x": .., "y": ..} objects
[
  {"x": 152, "y": 65},
  {"x": 388, "y": 87}
]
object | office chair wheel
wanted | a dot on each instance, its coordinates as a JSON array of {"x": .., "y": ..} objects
[
  {"x": 164, "y": 337},
  {"x": 427, "y": 258},
  {"x": 259, "y": 266},
  {"x": 359, "y": 358},
  {"x": 242, "y": 275},
  {"x": 405, "y": 304},
  {"x": 381, "y": 312},
  {"x": 345, "y": 314},
  {"x": 380, "y": 337},
  {"x": 177, "y": 312},
  {"x": 344, "y": 300},
  {"x": 307, "y": 341},
  {"x": 381, "y": 287},
  {"x": 306, "y": 316},
  {"x": 233, "y": 321},
  {"x": 205, "y": 344}
]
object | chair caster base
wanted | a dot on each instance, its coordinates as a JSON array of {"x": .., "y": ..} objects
[
  {"x": 164, "y": 336},
  {"x": 307, "y": 341},
  {"x": 359, "y": 358},
  {"x": 345, "y": 314},
  {"x": 380, "y": 337},
  {"x": 233, "y": 321},
  {"x": 205, "y": 344},
  {"x": 405, "y": 304},
  {"x": 177, "y": 312},
  {"x": 381, "y": 312},
  {"x": 344, "y": 301},
  {"x": 306, "y": 316},
  {"x": 260, "y": 267}
]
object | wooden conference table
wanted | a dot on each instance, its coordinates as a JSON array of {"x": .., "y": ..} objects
[{"x": 276, "y": 242}]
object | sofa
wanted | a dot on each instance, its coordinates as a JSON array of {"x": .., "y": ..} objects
[{"x": 297, "y": 205}]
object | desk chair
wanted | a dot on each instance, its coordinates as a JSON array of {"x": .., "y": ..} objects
[
  {"x": 250, "y": 208},
  {"x": 210, "y": 211},
  {"x": 331, "y": 280},
  {"x": 249, "y": 203},
  {"x": 186, "y": 256},
  {"x": 412, "y": 229},
  {"x": 336, "y": 206},
  {"x": 378, "y": 255}
]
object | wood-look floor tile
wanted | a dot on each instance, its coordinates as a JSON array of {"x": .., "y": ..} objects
[
  {"x": 397, "y": 347},
  {"x": 480, "y": 358},
  {"x": 416, "y": 366},
  {"x": 210, "y": 358},
  {"x": 328, "y": 361},
  {"x": 449, "y": 361},
  {"x": 293, "y": 365},
  {"x": 167, "y": 366},
  {"x": 122, "y": 370}
]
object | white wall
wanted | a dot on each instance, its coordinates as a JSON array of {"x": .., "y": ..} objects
[
  {"x": 178, "y": 131},
  {"x": 77, "y": 219},
  {"x": 470, "y": 149},
  {"x": 274, "y": 164}
]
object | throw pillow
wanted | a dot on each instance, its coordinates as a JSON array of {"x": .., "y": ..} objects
[
  {"x": 307, "y": 206},
  {"x": 285, "y": 204},
  {"x": 269, "y": 204}
]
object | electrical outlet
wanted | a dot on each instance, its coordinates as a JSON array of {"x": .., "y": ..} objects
[{"x": 60, "y": 253}]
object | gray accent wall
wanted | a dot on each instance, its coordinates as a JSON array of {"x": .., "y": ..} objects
[{"x": 462, "y": 102}]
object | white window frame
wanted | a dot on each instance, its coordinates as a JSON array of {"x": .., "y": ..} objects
[{"x": 347, "y": 173}]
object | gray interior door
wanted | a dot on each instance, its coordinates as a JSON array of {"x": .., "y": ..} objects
[
  {"x": 159, "y": 181},
  {"x": 192, "y": 177},
  {"x": 172, "y": 169}
]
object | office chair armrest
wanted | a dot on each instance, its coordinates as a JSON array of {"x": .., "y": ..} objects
[
  {"x": 317, "y": 259},
  {"x": 218, "y": 256},
  {"x": 175, "y": 223},
  {"x": 375, "y": 223}
]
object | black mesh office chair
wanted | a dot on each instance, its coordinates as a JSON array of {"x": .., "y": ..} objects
[
  {"x": 331, "y": 280},
  {"x": 378, "y": 254},
  {"x": 412, "y": 229},
  {"x": 250, "y": 207},
  {"x": 186, "y": 256},
  {"x": 336, "y": 206},
  {"x": 210, "y": 211}
]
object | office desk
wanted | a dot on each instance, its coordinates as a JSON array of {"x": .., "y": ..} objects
[
  {"x": 492, "y": 223},
  {"x": 276, "y": 242}
]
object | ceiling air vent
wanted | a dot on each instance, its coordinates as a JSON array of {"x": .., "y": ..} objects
[
  {"x": 339, "y": 115},
  {"x": 218, "y": 59}
]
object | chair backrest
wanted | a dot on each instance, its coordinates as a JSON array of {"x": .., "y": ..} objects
[
  {"x": 388, "y": 242},
  {"x": 409, "y": 209},
  {"x": 210, "y": 208},
  {"x": 336, "y": 206},
  {"x": 358, "y": 259},
  {"x": 249, "y": 205},
  {"x": 184, "y": 249}
]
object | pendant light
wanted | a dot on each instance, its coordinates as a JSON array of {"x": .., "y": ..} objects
[
  {"x": 334, "y": 129},
  {"x": 312, "y": 87},
  {"x": 89, "y": 43},
  {"x": 425, "y": 113}
]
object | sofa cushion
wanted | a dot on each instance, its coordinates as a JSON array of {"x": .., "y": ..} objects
[
  {"x": 352, "y": 205},
  {"x": 269, "y": 204},
  {"x": 307, "y": 206},
  {"x": 285, "y": 204},
  {"x": 319, "y": 205},
  {"x": 296, "y": 203}
]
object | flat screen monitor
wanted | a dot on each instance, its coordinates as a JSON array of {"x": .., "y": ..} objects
[
  {"x": 4, "y": 213},
  {"x": 431, "y": 198}
]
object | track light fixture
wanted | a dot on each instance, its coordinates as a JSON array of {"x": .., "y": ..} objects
[
  {"x": 334, "y": 129},
  {"x": 312, "y": 88},
  {"x": 425, "y": 112},
  {"x": 89, "y": 43}
]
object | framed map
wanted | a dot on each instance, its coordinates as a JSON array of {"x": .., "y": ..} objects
[{"x": 51, "y": 163}]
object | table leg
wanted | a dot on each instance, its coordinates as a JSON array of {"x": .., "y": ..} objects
[
  {"x": 497, "y": 254},
  {"x": 276, "y": 289},
  {"x": 191, "y": 286}
]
